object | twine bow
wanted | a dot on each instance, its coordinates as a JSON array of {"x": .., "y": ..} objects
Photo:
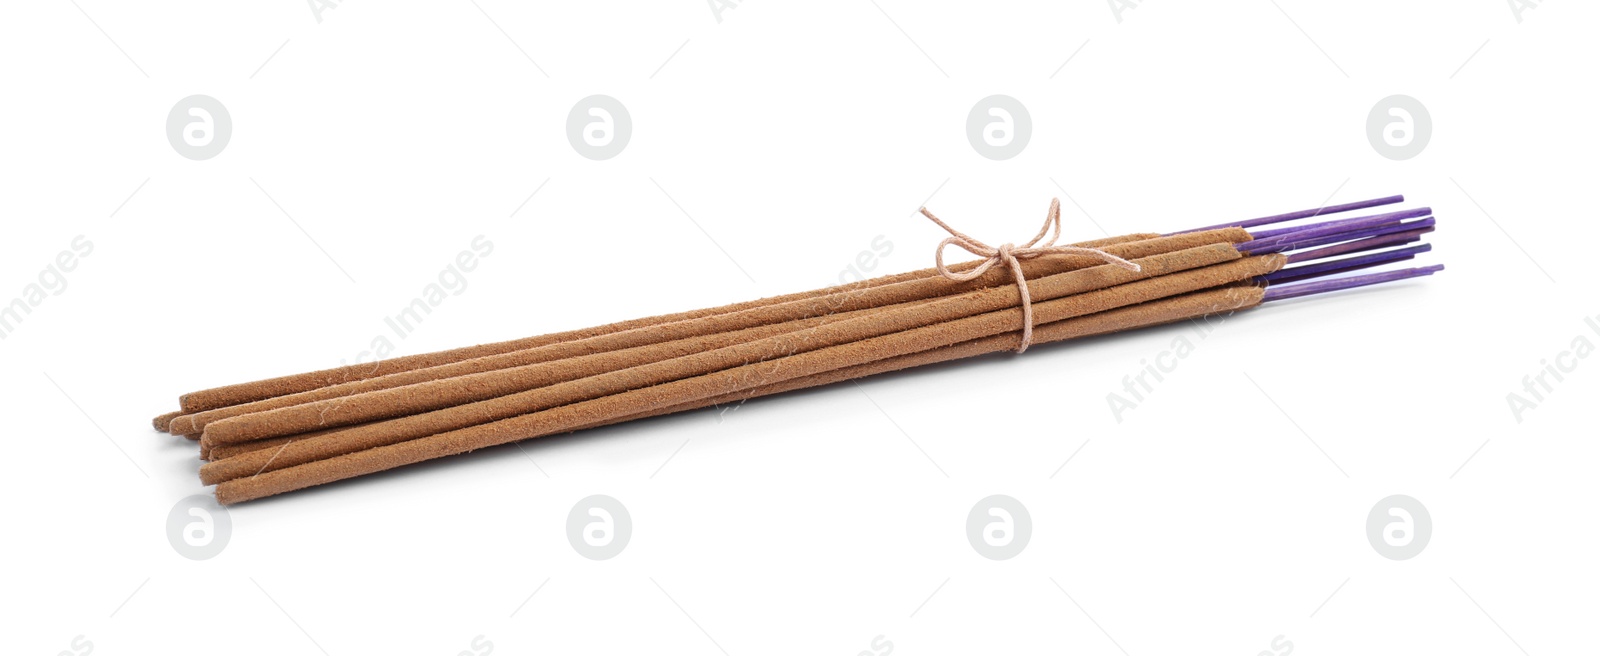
[{"x": 1010, "y": 254}]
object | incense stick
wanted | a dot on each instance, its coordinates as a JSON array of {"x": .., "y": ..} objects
[
  {"x": 558, "y": 367},
  {"x": 291, "y": 432},
  {"x": 774, "y": 360},
  {"x": 220, "y": 397},
  {"x": 446, "y": 392},
  {"x": 919, "y": 288},
  {"x": 230, "y": 395}
]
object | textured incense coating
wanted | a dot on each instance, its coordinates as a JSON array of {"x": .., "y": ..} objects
[
  {"x": 351, "y": 421},
  {"x": 219, "y": 397},
  {"x": 344, "y": 410},
  {"x": 333, "y": 397},
  {"x": 1187, "y": 306},
  {"x": 247, "y": 392},
  {"x": 727, "y": 381},
  {"x": 1153, "y": 313},
  {"x": 478, "y": 383},
  {"x": 222, "y": 451},
  {"x": 456, "y": 411},
  {"x": 161, "y": 422}
]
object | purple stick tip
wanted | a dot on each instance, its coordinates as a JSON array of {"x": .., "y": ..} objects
[
  {"x": 1261, "y": 235},
  {"x": 1404, "y": 233},
  {"x": 1340, "y": 227},
  {"x": 1302, "y": 214},
  {"x": 1280, "y": 293},
  {"x": 1331, "y": 267}
]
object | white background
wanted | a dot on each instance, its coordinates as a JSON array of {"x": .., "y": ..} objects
[{"x": 1226, "y": 510}]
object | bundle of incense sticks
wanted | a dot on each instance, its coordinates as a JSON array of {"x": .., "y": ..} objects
[{"x": 282, "y": 434}]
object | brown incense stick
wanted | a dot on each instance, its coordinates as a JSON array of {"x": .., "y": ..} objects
[
  {"x": 219, "y": 397},
  {"x": 194, "y": 422},
  {"x": 422, "y": 397},
  {"x": 1188, "y": 306},
  {"x": 559, "y": 369},
  {"x": 222, "y": 451},
  {"x": 161, "y": 422},
  {"x": 262, "y": 480},
  {"x": 288, "y": 433},
  {"x": 456, "y": 412},
  {"x": 1168, "y": 310}
]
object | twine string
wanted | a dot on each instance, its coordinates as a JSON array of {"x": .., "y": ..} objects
[{"x": 1011, "y": 255}]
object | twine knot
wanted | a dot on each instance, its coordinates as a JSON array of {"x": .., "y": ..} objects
[{"x": 1011, "y": 255}]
